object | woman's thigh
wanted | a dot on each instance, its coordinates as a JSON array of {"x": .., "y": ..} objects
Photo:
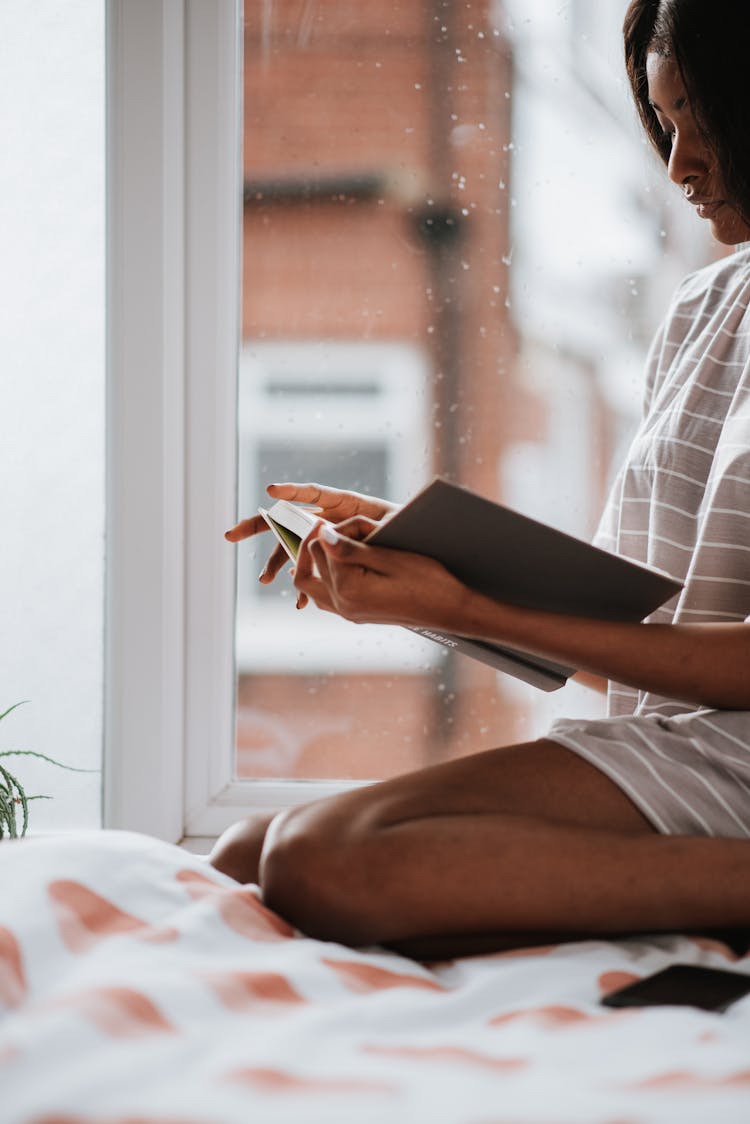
[
  {"x": 525, "y": 839},
  {"x": 539, "y": 780}
]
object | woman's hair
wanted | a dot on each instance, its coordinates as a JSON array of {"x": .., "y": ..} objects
[{"x": 708, "y": 41}]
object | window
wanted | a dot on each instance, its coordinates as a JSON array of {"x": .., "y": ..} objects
[
  {"x": 465, "y": 182},
  {"x": 445, "y": 250}
]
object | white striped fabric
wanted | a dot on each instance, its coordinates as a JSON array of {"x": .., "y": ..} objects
[{"x": 681, "y": 503}]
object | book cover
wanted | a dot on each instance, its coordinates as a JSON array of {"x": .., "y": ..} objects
[{"x": 511, "y": 557}]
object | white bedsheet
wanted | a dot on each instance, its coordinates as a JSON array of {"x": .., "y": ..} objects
[{"x": 139, "y": 986}]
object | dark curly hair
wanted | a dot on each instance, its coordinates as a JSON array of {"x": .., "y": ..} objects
[{"x": 710, "y": 44}]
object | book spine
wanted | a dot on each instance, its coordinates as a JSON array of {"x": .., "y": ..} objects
[{"x": 549, "y": 678}]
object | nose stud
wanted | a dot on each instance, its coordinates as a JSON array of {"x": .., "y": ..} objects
[{"x": 688, "y": 190}]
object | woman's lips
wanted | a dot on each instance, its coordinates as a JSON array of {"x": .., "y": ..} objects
[{"x": 708, "y": 210}]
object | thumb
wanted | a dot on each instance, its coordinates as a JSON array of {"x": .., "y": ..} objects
[
  {"x": 358, "y": 527},
  {"x": 348, "y": 551}
]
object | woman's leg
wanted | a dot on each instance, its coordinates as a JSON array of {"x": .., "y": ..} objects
[
  {"x": 237, "y": 851},
  {"x": 537, "y": 779},
  {"x": 491, "y": 850}
]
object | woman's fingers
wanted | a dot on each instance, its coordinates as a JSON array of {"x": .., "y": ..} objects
[
  {"x": 358, "y": 527},
  {"x": 246, "y": 528},
  {"x": 320, "y": 560},
  {"x": 334, "y": 503},
  {"x": 308, "y": 583},
  {"x": 347, "y": 550},
  {"x": 344, "y": 569},
  {"x": 298, "y": 493},
  {"x": 254, "y": 526},
  {"x": 368, "y": 583},
  {"x": 276, "y": 561}
]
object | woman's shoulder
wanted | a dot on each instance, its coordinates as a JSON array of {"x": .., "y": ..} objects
[
  {"x": 710, "y": 302},
  {"x": 723, "y": 281}
]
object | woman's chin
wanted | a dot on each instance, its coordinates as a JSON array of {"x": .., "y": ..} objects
[{"x": 727, "y": 227}]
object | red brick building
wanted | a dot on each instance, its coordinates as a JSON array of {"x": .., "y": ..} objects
[{"x": 377, "y": 205}]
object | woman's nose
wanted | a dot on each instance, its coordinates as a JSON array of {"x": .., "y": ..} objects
[{"x": 689, "y": 158}]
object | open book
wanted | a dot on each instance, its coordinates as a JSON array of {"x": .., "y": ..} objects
[{"x": 506, "y": 556}]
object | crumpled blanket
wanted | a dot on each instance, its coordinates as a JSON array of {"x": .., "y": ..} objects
[{"x": 140, "y": 986}]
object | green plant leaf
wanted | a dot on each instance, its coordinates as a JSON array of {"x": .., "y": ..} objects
[
  {"x": 12, "y": 708},
  {"x": 12, "y": 792}
]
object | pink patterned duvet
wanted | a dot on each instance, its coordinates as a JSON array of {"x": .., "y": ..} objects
[{"x": 139, "y": 986}]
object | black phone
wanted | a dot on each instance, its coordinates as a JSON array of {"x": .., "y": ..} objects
[{"x": 683, "y": 985}]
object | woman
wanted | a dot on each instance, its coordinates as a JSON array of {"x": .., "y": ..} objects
[{"x": 636, "y": 822}]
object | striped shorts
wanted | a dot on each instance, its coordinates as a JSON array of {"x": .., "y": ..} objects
[{"x": 689, "y": 774}]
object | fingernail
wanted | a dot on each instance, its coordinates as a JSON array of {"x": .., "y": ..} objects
[
  {"x": 299, "y": 601},
  {"x": 329, "y": 535},
  {"x": 261, "y": 575}
]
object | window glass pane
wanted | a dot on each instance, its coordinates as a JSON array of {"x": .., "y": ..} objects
[
  {"x": 451, "y": 237},
  {"x": 52, "y": 416}
]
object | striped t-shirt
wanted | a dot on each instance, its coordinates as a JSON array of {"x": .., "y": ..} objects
[{"x": 681, "y": 503}]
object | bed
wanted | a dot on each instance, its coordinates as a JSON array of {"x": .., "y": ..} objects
[{"x": 140, "y": 986}]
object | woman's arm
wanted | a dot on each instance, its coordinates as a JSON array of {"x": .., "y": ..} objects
[
  {"x": 598, "y": 683},
  {"x": 701, "y": 664}
]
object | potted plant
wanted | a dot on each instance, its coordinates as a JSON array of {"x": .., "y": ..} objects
[{"x": 12, "y": 793}]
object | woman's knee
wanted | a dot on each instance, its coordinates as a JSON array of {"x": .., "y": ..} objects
[
  {"x": 237, "y": 851},
  {"x": 314, "y": 873}
]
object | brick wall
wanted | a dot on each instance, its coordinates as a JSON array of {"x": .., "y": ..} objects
[{"x": 377, "y": 207}]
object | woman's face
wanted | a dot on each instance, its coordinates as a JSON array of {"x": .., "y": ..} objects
[{"x": 692, "y": 165}]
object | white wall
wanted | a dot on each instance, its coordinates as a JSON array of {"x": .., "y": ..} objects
[{"x": 52, "y": 385}]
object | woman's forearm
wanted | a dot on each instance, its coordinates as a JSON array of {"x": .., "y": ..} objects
[{"x": 704, "y": 664}]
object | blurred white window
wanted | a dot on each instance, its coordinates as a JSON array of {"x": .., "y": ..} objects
[{"x": 352, "y": 415}]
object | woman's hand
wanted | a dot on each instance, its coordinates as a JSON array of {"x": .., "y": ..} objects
[
  {"x": 375, "y": 585},
  {"x": 332, "y": 504}
]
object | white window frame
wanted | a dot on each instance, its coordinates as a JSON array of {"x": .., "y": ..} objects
[
  {"x": 174, "y": 214},
  {"x": 173, "y": 309},
  {"x": 144, "y": 630}
]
